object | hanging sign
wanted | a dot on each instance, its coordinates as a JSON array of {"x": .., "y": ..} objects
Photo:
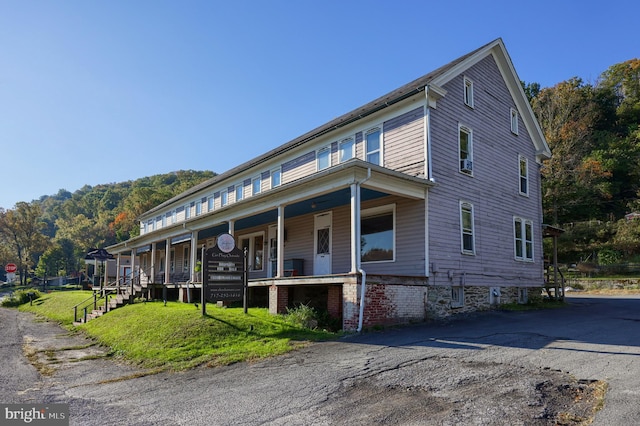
[{"x": 224, "y": 275}]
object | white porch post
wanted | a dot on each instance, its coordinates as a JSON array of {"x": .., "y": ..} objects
[
  {"x": 133, "y": 267},
  {"x": 280, "y": 248},
  {"x": 118, "y": 259},
  {"x": 153, "y": 263},
  {"x": 355, "y": 227},
  {"x": 426, "y": 233},
  {"x": 167, "y": 255},
  {"x": 105, "y": 263},
  {"x": 194, "y": 256}
]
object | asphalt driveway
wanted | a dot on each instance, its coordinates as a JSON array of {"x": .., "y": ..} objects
[{"x": 489, "y": 368}]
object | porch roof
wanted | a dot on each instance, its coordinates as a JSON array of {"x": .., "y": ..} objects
[{"x": 325, "y": 189}]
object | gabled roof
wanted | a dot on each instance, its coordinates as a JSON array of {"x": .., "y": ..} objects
[{"x": 434, "y": 79}]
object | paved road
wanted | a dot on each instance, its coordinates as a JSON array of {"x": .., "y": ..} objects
[{"x": 444, "y": 368}]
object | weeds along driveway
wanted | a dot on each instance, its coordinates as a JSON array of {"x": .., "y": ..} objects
[{"x": 490, "y": 368}]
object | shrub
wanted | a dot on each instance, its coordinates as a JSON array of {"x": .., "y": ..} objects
[
  {"x": 20, "y": 297},
  {"x": 305, "y": 316},
  {"x": 302, "y": 316}
]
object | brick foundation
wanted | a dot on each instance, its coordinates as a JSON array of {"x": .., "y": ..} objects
[{"x": 278, "y": 299}]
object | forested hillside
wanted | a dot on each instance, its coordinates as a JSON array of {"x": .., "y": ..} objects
[
  {"x": 591, "y": 182},
  {"x": 50, "y": 236},
  {"x": 593, "y": 178}
]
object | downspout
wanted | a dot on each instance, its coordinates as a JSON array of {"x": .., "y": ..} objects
[
  {"x": 363, "y": 285},
  {"x": 429, "y": 175},
  {"x": 427, "y": 131}
]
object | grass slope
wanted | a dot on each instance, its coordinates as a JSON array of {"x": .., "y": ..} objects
[{"x": 178, "y": 336}]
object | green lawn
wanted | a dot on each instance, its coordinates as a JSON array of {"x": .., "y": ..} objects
[{"x": 177, "y": 336}]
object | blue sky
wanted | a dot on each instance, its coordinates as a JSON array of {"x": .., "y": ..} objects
[{"x": 95, "y": 92}]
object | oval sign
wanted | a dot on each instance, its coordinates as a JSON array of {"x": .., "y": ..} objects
[{"x": 11, "y": 268}]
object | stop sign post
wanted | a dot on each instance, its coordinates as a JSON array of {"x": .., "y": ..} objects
[{"x": 11, "y": 268}]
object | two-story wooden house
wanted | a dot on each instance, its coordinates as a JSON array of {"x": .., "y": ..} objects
[{"x": 420, "y": 204}]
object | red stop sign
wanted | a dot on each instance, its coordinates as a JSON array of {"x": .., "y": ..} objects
[{"x": 11, "y": 267}]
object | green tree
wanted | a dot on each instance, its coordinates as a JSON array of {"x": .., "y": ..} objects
[
  {"x": 574, "y": 181},
  {"x": 21, "y": 229}
]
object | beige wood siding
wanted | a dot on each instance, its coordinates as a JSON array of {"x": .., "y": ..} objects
[
  {"x": 299, "y": 167},
  {"x": 404, "y": 145}
]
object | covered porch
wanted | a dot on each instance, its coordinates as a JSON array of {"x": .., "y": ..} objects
[{"x": 303, "y": 238}]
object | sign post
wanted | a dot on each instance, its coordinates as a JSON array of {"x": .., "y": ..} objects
[{"x": 224, "y": 273}]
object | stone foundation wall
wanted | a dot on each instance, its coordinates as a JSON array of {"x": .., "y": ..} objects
[{"x": 392, "y": 300}]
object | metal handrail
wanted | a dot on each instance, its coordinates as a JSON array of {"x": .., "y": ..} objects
[{"x": 131, "y": 276}]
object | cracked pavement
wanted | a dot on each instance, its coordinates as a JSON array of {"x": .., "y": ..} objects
[{"x": 488, "y": 368}]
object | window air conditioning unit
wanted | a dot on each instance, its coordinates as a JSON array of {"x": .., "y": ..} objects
[{"x": 466, "y": 165}]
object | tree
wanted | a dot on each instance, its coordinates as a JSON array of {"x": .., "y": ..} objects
[
  {"x": 21, "y": 229},
  {"x": 52, "y": 262},
  {"x": 574, "y": 181}
]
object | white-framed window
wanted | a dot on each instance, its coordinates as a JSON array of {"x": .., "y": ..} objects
[
  {"x": 198, "y": 208},
  {"x": 210, "y": 204},
  {"x": 378, "y": 234},
  {"x": 457, "y": 296},
  {"x": 346, "y": 149},
  {"x": 523, "y": 239},
  {"x": 465, "y": 149},
  {"x": 164, "y": 220},
  {"x": 468, "y": 92},
  {"x": 239, "y": 192},
  {"x": 523, "y": 171},
  {"x": 224, "y": 198},
  {"x": 187, "y": 211},
  {"x": 150, "y": 224},
  {"x": 256, "y": 185},
  {"x": 467, "y": 234},
  {"x": 144, "y": 227},
  {"x": 373, "y": 146},
  {"x": 514, "y": 121},
  {"x": 254, "y": 243},
  {"x": 276, "y": 177},
  {"x": 323, "y": 158},
  {"x": 174, "y": 216}
]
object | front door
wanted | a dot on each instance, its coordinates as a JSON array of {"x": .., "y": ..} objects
[{"x": 322, "y": 242}]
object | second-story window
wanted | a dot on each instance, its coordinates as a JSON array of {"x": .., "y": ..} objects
[
  {"x": 239, "y": 192},
  {"x": 373, "y": 146},
  {"x": 210, "y": 204},
  {"x": 324, "y": 158},
  {"x": 346, "y": 149},
  {"x": 198, "y": 208},
  {"x": 465, "y": 143},
  {"x": 256, "y": 186},
  {"x": 276, "y": 177},
  {"x": 224, "y": 198}
]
